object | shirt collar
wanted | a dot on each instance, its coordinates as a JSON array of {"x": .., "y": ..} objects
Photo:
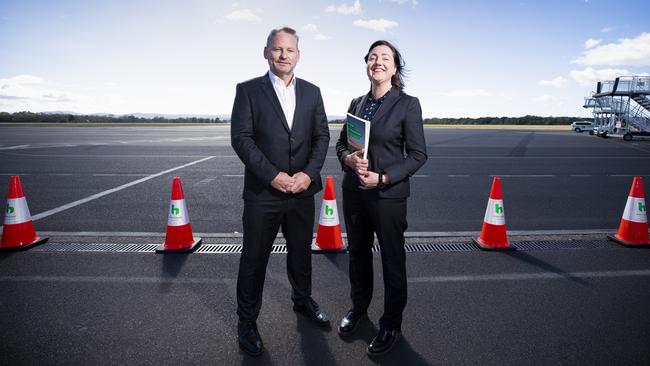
[
  {"x": 277, "y": 81},
  {"x": 381, "y": 99}
]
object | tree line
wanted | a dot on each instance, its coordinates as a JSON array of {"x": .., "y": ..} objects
[{"x": 74, "y": 118}]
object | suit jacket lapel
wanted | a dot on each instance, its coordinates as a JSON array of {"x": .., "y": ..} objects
[
  {"x": 270, "y": 93},
  {"x": 391, "y": 98},
  {"x": 296, "y": 113},
  {"x": 360, "y": 106}
]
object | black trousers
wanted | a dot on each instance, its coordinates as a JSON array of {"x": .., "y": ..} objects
[
  {"x": 365, "y": 214},
  {"x": 261, "y": 221}
]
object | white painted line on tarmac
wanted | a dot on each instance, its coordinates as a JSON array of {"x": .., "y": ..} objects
[
  {"x": 119, "y": 175},
  {"x": 14, "y": 147},
  {"x": 116, "y": 189},
  {"x": 233, "y": 175},
  {"x": 11, "y": 174},
  {"x": 629, "y": 175},
  {"x": 523, "y": 175},
  {"x": 530, "y": 276},
  {"x": 431, "y": 279},
  {"x": 420, "y": 176}
]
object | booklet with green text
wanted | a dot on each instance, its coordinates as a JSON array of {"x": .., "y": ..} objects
[{"x": 358, "y": 132}]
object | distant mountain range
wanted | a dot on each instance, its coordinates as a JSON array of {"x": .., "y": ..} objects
[{"x": 224, "y": 117}]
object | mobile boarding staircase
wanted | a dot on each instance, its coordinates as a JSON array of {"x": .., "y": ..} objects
[{"x": 621, "y": 107}]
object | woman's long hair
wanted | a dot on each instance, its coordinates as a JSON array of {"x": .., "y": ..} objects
[{"x": 398, "y": 79}]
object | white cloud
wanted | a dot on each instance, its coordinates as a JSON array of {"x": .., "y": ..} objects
[
  {"x": 590, "y": 76},
  {"x": 243, "y": 15},
  {"x": 557, "y": 82},
  {"x": 465, "y": 93},
  {"x": 345, "y": 9},
  {"x": 607, "y": 29},
  {"x": 628, "y": 51},
  {"x": 313, "y": 28},
  {"x": 310, "y": 28},
  {"x": 322, "y": 37},
  {"x": 400, "y": 2},
  {"x": 32, "y": 93},
  {"x": 545, "y": 98},
  {"x": 591, "y": 43},
  {"x": 379, "y": 25}
]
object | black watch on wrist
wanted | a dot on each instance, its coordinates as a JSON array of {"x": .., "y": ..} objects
[{"x": 380, "y": 180}]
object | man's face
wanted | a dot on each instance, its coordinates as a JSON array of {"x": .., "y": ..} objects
[{"x": 282, "y": 54}]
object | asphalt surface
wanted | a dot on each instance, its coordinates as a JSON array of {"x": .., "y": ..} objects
[
  {"x": 580, "y": 306},
  {"x": 560, "y": 300},
  {"x": 551, "y": 180}
]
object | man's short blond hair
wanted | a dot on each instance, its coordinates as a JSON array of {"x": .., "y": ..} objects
[{"x": 285, "y": 29}]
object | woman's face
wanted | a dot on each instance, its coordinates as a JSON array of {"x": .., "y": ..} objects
[{"x": 381, "y": 64}]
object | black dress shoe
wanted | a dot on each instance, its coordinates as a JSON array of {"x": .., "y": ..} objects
[
  {"x": 249, "y": 339},
  {"x": 383, "y": 342},
  {"x": 311, "y": 310},
  {"x": 350, "y": 322}
]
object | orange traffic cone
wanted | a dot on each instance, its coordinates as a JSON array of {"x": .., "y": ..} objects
[
  {"x": 18, "y": 231},
  {"x": 328, "y": 236},
  {"x": 633, "y": 230},
  {"x": 493, "y": 234},
  {"x": 179, "y": 238}
]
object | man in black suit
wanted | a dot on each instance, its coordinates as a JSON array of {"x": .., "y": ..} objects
[{"x": 279, "y": 131}]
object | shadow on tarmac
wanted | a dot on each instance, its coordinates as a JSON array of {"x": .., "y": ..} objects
[
  {"x": 313, "y": 345},
  {"x": 340, "y": 260},
  {"x": 171, "y": 267},
  {"x": 5, "y": 255},
  {"x": 525, "y": 257},
  {"x": 402, "y": 354}
]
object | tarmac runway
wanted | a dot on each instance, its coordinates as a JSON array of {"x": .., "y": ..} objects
[
  {"x": 97, "y": 294},
  {"x": 119, "y": 179}
]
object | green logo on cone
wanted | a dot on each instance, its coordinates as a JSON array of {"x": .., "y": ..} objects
[
  {"x": 329, "y": 211},
  {"x": 10, "y": 210},
  {"x": 641, "y": 207},
  {"x": 175, "y": 210},
  {"x": 498, "y": 208}
]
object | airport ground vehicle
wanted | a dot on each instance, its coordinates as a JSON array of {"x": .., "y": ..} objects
[{"x": 580, "y": 126}]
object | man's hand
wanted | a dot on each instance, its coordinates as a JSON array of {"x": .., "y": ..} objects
[
  {"x": 357, "y": 162},
  {"x": 283, "y": 182},
  {"x": 302, "y": 182}
]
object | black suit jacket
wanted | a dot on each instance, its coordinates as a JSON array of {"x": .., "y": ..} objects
[
  {"x": 261, "y": 137},
  {"x": 396, "y": 147}
]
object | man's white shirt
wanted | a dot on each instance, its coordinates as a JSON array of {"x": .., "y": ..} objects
[{"x": 286, "y": 96}]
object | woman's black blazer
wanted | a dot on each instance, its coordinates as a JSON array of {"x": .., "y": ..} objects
[{"x": 396, "y": 147}]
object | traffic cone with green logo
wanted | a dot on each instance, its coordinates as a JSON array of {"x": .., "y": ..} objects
[
  {"x": 493, "y": 234},
  {"x": 179, "y": 238},
  {"x": 328, "y": 236},
  {"x": 18, "y": 230},
  {"x": 633, "y": 230}
]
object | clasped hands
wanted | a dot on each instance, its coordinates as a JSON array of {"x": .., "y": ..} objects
[
  {"x": 368, "y": 179},
  {"x": 286, "y": 183}
]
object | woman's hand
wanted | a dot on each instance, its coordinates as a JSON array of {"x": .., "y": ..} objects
[
  {"x": 357, "y": 162},
  {"x": 370, "y": 180}
]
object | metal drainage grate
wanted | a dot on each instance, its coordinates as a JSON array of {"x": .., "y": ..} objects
[
  {"x": 446, "y": 247},
  {"x": 566, "y": 244},
  {"x": 95, "y": 247},
  {"x": 282, "y": 249}
]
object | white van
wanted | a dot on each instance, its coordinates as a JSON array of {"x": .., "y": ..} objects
[{"x": 580, "y": 126}]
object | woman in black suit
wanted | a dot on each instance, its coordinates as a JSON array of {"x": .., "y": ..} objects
[{"x": 375, "y": 191}]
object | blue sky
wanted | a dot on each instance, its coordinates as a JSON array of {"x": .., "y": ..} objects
[{"x": 466, "y": 58}]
